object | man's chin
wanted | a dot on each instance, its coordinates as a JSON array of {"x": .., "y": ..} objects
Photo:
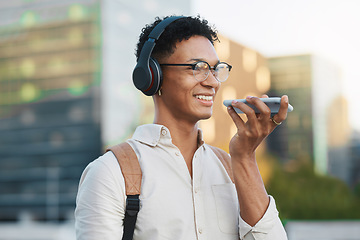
[{"x": 206, "y": 116}]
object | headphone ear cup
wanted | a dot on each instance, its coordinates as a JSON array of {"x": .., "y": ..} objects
[
  {"x": 156, "y": 77},
  {"x": 147, "y": 75}
]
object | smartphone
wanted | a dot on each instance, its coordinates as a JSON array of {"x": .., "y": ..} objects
[{"x": 273, "y": 103}]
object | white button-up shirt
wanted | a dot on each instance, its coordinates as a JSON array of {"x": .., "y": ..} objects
[{"x": 173, "y": 205}]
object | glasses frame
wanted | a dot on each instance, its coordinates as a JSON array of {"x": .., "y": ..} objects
[{"x": 192, "y": 65}]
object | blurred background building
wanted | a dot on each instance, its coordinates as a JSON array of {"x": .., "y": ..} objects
[
  {"x": 65, "y": 93},
  {"x": 50, "y": 66},
  {"x": 318, "y": 130},
  {"x": 355, "y": 160}
]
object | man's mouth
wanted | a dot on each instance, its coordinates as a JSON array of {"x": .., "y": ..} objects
[{"x": 204, "y": 97}]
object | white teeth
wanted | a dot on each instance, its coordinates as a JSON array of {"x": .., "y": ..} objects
[{"x": 203, "y": 97}]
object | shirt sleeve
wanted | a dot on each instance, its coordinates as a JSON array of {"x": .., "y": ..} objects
[
  {"x": 269, "y": 226},
  {"x": 100, "y": 201}
]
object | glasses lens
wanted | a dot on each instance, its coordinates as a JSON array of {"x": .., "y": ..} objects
[
  {"x": 222, "y": 71},
  {"x": 201, "y": 71}
]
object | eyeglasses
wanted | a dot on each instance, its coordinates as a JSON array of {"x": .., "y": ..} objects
[{"x": 201, "y": 70}]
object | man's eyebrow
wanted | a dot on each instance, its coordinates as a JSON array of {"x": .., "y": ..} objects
[
  {"x": 199, "y": 59},
  {"x": 195, "y": 60}
]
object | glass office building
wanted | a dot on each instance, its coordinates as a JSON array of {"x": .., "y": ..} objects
[
  {"x": 65, "y": 93},
  {"x": 49, "y": 104},
  {"x": 318, "y": 129}
]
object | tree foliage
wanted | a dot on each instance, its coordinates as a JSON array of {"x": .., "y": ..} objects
[{"x": 302, "y": 194}]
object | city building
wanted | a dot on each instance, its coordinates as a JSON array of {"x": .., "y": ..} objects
[
  {"x": 50, "y": 63},
  {"x": 318, "y": 127},
  {"x": 340, "y": 159},
  {"x": 355, "y": 162},
  {"x": 65, "y": 93}
]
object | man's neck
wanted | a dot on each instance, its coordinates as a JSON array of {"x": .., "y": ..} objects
[{"x": 184, "y": 136}]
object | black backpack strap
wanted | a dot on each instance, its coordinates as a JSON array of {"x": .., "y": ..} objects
[
  {"x": 132, "y": 209},
  {"x": 131, "y": 171}
]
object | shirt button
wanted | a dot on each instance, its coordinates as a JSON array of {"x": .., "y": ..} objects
[
  {"x": 200, "y": 230},
  {"x": 163, "y": 132},
  {"x": 177, "y": 153}
]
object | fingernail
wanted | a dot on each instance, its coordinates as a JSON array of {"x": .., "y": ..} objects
[
  {"x": 249, "y": 97},
  {"x": 286, "y": 99},
  {"x": 234, "y": 102}
]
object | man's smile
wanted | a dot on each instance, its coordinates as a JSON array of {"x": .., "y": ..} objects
[{"x": 204, "y": 97}]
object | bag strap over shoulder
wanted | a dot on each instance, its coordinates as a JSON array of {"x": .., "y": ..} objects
[
  {"x": 130, "y": 168},
  {"x": 225, "y": 160}
]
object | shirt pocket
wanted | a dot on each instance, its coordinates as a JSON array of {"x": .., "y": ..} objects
[{"x": 227, "y": 208}]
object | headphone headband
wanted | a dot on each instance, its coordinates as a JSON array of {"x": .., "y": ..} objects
[
  {"x": 159, "y": 29},
  {"x": 147, "y": 76}
]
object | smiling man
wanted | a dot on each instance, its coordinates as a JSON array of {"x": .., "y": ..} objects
[{"x": 186, "y": 192}]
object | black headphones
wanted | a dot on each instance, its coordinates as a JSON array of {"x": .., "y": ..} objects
[{"x": 147, "y": 75}]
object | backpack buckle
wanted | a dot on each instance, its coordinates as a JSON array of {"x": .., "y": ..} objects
[{"x": 132, "y": 204}]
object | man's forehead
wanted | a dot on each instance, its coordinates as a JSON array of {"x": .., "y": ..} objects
[{"x": 196, "y": 48}]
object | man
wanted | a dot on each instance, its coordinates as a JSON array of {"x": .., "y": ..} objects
[{"x": 186, "y": 192}]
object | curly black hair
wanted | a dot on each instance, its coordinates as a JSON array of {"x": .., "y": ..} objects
[{"x": 181, "y": 29}]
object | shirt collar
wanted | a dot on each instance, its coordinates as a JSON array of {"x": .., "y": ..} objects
[
  {"x": 152, "y": 134},
  {"x": 200, "y": 138}
]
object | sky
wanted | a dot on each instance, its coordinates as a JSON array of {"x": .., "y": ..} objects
[{"x": 327, "y": 28}]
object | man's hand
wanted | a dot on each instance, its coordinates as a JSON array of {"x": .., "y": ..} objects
[{"x": 251, "y": 133}]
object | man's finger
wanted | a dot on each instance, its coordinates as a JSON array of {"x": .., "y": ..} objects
[{"x": 282, "y": 114}]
